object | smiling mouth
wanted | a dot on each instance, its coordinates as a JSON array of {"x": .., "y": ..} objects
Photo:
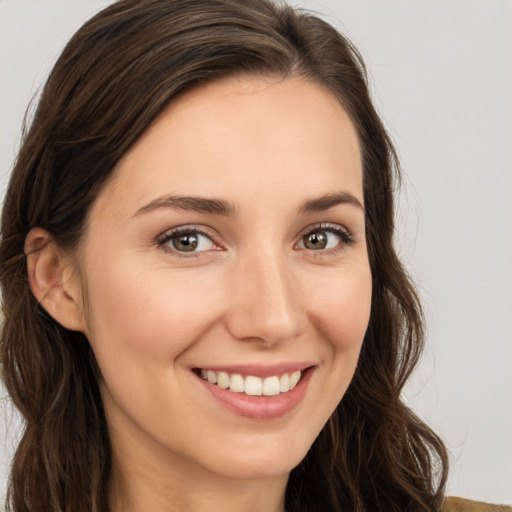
[{"x": 251, "y": 385}]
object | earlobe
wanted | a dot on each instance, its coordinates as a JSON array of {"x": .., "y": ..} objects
[{"x": 52, "y": 280}]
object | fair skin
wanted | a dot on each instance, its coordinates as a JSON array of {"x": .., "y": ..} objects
[{"x": 271, "y": 278}]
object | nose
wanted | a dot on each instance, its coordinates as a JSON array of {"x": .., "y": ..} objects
[{"x": 265, "y": 304}]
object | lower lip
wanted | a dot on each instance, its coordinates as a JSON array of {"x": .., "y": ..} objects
[{"x": 260, "y": 407}]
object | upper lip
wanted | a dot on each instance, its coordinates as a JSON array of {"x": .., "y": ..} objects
[{"x": 258, "y": 370}]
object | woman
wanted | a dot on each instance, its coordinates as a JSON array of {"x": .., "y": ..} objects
[{"x": 203, "y": 306}]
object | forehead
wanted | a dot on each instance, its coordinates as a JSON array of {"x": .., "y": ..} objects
[{"x": 244, "y": 135}]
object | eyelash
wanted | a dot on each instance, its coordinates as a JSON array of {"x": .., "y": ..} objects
[
  {"x": 346, "y": 239},
  {"x": 166, "y": 237}
]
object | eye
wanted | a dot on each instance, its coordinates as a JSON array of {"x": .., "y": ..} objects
[
  {"x": 325, "y": 238},
  {"x": 187, "y": 241}
]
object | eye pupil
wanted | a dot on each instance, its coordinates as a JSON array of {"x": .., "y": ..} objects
[
  {"x": 186, "y": 242},
  {"x": 316, "y": 240}
]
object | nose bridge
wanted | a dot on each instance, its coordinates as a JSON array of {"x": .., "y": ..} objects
[{"x": 264, "y": 304}]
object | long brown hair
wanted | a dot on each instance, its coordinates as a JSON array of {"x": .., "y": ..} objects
[{"x": 113, "y": 79}]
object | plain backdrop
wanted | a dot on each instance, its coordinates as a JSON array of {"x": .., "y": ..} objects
[{"x": 441, "y": 73}]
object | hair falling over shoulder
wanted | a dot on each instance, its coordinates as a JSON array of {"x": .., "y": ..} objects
[{"x": 115, "y": 76}]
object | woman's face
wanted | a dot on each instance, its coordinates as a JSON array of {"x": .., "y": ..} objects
[{"x": 230, "y": 246}]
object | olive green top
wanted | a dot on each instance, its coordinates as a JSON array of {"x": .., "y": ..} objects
[{"x": 453, "y": 504}]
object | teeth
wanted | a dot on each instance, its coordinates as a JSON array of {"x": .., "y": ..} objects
[
  {"x": 236, "y": 383},
  {"x": 223, "y": 380},
  {"x": 253, "y": 386},
  {"x": 271, "y": 386},
  {"x": 294, "y": 379},
  {"x": 284, "y": 383}
]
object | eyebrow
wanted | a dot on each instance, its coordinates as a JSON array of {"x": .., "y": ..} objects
[
  {"x": 225, "y": 208},
  {"x": 327, "y": 201},
  {"x": 189, "y": 203}
]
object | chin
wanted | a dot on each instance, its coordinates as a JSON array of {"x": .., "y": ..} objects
[{"x": 273, "y": 459}]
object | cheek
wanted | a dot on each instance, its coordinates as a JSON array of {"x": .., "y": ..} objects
[
  {"x": 154, "y": 314},
  {"x": 139, "y": 329},
  {"x": 342, "y": 310},
  {"x": 342, "y": 316}
]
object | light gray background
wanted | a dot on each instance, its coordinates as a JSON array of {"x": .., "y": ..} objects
[{"x": 442, "y": 75}]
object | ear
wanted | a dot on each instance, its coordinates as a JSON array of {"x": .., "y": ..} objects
[{"x": 53, "y": 280}]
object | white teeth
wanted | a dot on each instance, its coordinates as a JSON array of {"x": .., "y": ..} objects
[
  {"x": 236, "y": 383},
  {"x": 284, "y": 383},
  {"x": 251, "y": 385},
  {"x": 294, "y": 379},
  {"x": 223, "y": 380},
  {"x": 271, "y": 386}
]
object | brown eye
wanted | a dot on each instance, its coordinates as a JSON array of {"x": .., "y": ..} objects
[
  {"x": 186, "y": 242},
  {"x": 315, "y": 241},
  {"x": 325, "y": 238}
]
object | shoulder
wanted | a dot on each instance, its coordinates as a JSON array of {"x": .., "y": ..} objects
[{"x": 453, "y": 504}]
